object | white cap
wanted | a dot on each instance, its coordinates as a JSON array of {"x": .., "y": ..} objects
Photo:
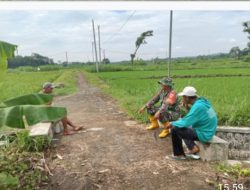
[{"x": 188, "y": 91}]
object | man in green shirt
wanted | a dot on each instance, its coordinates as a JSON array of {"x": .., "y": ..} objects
[{"x": 168, "y": 108}]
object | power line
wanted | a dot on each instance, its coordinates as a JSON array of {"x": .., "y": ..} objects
[{"x": 114, "y": 34}]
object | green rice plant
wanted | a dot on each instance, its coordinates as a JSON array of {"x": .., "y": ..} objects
[
  {"x": 228, "y": 95},
  {"x": 18, "y": 83},
  {"x": 21, "y": 83},
  {"x": 69, "y": 79},
  {"x": 177, "y": 64}
]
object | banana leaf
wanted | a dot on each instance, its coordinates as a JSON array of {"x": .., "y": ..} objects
[
  {"x": 30, "y": 99},
  {"x": 14, "y": 116},
  {"x": 7, "y": 50}
]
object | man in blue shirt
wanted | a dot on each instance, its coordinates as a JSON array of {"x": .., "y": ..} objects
[{"x": 198, "y": 125}]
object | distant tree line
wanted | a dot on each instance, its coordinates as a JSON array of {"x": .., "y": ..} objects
[{"x": 34, "y": 60}]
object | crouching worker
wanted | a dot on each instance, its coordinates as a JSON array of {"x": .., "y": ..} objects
[
  {"x": 48, "y": 89},
  {"x": 202, "y": 119},
  {"x": 167, "y": 111}
]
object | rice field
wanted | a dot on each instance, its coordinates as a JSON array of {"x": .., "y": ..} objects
[
  {"x": 228, "y": 95},
  {"x": 17, "y": 83}
]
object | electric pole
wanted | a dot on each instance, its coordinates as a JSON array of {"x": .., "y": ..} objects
[
  {"x": 99, "y": 41},
  {"x": 96, "y": 61},
  {"x": 67, "y": 61},
  {"x": 170, "y": 42},
  {"x": 93, "y": 54},
  {"x": 103, "y": 51}
]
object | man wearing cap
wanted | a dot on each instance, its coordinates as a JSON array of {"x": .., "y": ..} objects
[
  {"x": 48, "y": 89},
  {"x": 168, "y": 110},
  {"x": 201, "y": 117}
]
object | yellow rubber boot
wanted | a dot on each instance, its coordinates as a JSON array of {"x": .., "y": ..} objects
[
  {"x": 154, "y": 124},
  {"x": 164, "y": 133}
]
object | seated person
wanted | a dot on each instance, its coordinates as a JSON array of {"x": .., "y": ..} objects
[
  {"x": 169, "y": 109},
  {"x": 48, "y": 89},
  {"x": 201, "y": 117}
]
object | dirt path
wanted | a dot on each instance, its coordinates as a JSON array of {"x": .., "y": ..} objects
[{"x": 115, "y": 152}]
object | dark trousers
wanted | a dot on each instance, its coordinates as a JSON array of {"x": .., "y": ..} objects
[{"x": 187, "y": 134}]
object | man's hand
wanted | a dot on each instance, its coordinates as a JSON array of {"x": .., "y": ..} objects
[
  {"x": 168, "y": 125},
  {"x": 157, "y": 115}
]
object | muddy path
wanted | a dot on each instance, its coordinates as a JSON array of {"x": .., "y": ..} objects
[{"x": 115, "y": 152}]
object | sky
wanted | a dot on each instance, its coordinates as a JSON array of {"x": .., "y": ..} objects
[{"x": 52, "y": 33}]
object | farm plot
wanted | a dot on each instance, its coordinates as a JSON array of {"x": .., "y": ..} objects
[
  {"x": 18, "y": 83},
  {"x": 228, "y": 95}
]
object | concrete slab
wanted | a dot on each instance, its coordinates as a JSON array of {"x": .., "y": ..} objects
[
  {"x": 215, "y": 150},
  {"x": 41, "y": 129},
  {"x": 230, "y": 129},
  {"x": 234, "y": 162}
]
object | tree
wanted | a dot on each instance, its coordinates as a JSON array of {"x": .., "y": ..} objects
[
  {"x": 139, "y": 41},
  {"x": 246, "y": 26},
  {"x": 106, "y": 61},
  {"x": 34, "y": 60},
  {"x": 235, "y": 52}
]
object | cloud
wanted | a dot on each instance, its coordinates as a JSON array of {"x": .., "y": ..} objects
[
  {"x": 232, "y": 40},
  {"x": 54, "y": 32}
]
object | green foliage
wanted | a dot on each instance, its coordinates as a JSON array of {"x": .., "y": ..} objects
[
  {"x": 247, "y": 58},
  {"x": 106, "y": 61},
  {"x": 246, "y": 28},
  {"x": 34, "y": 60},
  {"x": 24, "y": 142},
  {"x": 7, "y": 181},
  {"x": 32, "y": 82},
  {"x": 235, "y": 171},
  {"x": 30, "y": 99},
  {"x": 6, "y": 51},
  {"x": 139, "y": 62},
  {"x": 139, "y": 41},
  {"x": 177, "y": 64},
  {"x": 40, "y": 68},
  {"x": 31, "y": 107},
  {"x": 20, "y": 169},
  {"x": 228, "y": 94},
  {"x": 69, "y": 79}
]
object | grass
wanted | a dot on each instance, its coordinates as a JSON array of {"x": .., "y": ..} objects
[
  {"x": 177, "y": 64},
  {"x": 28, "y": 171},
  {"x": 228, "y": 95},
  {"x": 19, "y": 83},
  {"x": 26, "y": 153}
]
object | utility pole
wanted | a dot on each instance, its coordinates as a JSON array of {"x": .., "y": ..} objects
[
  {"x": 170, "y": 42},
  {"x": 96, "y": 61},
  {"x": 99, "y": 40},
  {"x": 103, "y": 51},
  {"x": 67, "y": 61},
  {"x": 93, "y": 54}
]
